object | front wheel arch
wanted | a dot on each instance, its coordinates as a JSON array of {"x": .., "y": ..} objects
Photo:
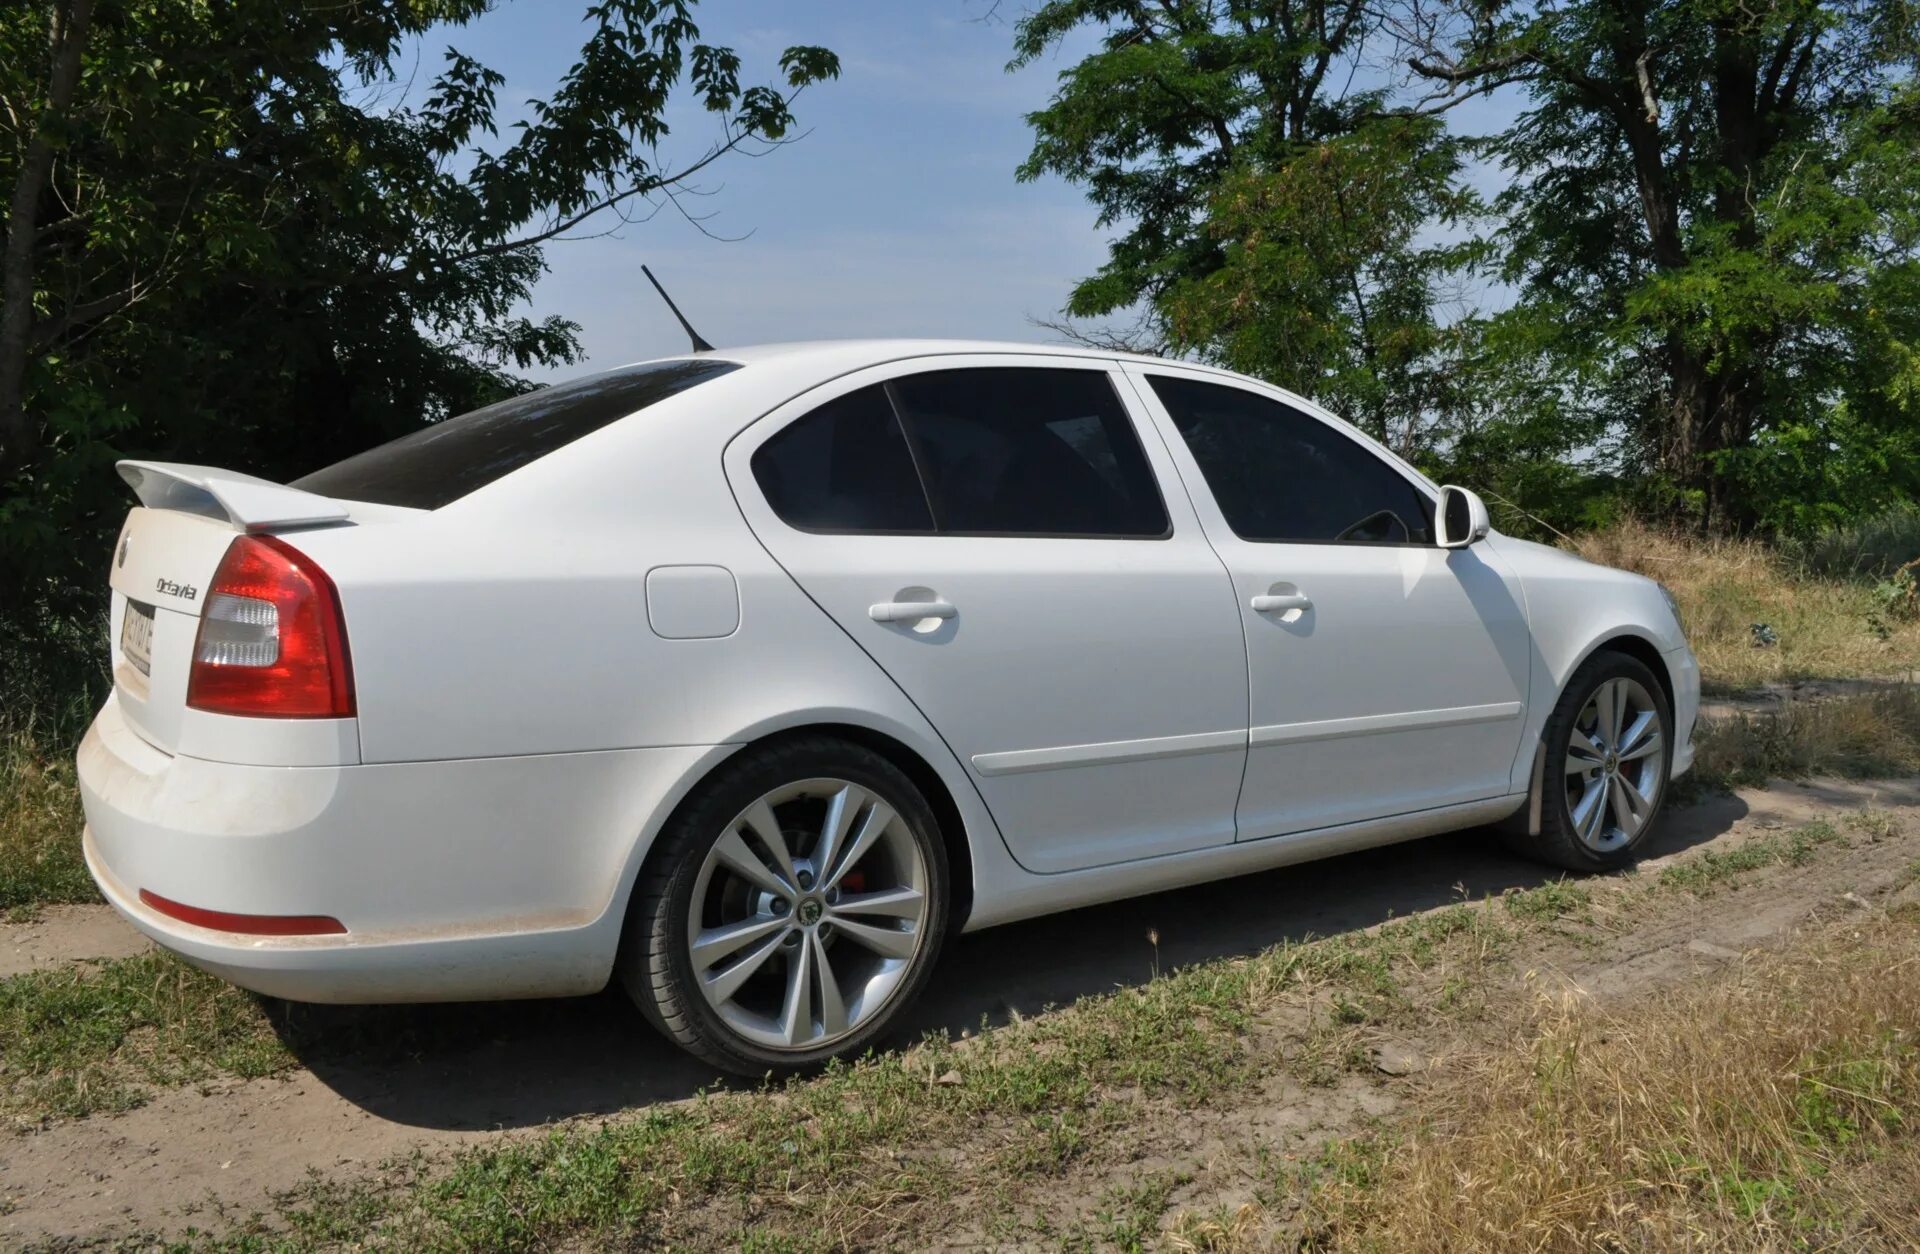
[
  {"x": 1526, "y": 820},
  {"x": 1524, "y": 832}
]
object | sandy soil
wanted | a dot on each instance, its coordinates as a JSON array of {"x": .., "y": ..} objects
[
  {"x": 59, "y": 935},
  {"x": 515, "y": 1068}
]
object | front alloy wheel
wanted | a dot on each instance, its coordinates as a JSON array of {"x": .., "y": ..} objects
[
  {"x": 791, "y": 908},
  {"x": 1615, "y": 765},
  {"x": 1608, "y": 755}
]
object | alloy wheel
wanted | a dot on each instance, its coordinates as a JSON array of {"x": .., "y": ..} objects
[
  {"x": 807, "y": 914},
  {"x": 1614, "y": 765}
]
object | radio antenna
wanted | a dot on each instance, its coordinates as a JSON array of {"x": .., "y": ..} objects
[{"x": 699, "y": 345}]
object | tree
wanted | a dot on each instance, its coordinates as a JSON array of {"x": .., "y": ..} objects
[
  {"x": 1711, "y": 223},
  {"x": 1330, "y": 276},
  {"x": 1275, "y": 219},
  {"x": 233, "y": 238}
]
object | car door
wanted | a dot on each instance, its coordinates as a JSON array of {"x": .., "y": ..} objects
[
  {"x": 1387, "y": 675},
  {"x": 993, "y": 531}
]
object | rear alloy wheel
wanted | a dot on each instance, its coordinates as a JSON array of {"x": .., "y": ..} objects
[
  {"x": 798, "y": 926},
  {"x": 1609, "y": 750}
]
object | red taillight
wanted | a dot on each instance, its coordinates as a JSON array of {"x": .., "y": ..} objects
[
  {"x": 272, "y": 643},
  {"x": 251, "y": 924}
]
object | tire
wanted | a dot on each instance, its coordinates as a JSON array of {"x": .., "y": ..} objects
[
  {"x": 1571, "y": 834},
  {"x": 763, "y": 1004}
]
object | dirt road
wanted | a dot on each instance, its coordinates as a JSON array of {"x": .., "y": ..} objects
[{"x": 193, "y": 1153}]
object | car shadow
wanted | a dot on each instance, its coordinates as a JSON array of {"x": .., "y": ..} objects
[{"x": 519, "y": 1064}]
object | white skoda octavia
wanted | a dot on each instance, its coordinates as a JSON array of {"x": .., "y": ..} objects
[{"x": 752, "y": 676}]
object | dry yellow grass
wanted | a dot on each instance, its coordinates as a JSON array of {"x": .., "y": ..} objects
[
  {"x": 1866, "y": 735},
  {"x": 1770, "y": 1110},
  {"x": 1825, "y": 627}
]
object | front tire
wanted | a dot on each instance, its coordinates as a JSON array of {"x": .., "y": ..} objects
[
  {"x": 1609, "y": 755},
  {"x": 791, "y": 910}
]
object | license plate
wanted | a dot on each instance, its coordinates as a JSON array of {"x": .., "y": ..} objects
[{"x": 136, "y": 636}]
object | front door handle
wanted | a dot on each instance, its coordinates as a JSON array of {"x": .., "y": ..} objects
[
  {"x": 910, "y": 611},
  {"x": 1268, "y": 604}
]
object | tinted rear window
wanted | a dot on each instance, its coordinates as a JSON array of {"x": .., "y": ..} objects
[
  {"x": 844, "y": 467},
  {"x": 442, "y": 463}
]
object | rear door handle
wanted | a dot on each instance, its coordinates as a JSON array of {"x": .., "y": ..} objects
[
  {"x": 1266, "y": 604},
  {"x": 910, "y": 611}
]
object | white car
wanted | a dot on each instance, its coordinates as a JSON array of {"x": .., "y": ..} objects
[{"x": 751, "y": 676}]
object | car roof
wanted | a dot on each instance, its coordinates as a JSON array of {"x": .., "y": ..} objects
[
  {"x": 817, "y": 360},
  {"x": 852, "y": 354}
]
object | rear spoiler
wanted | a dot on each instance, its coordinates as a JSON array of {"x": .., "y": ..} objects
[{"x": 227, "y": 495}]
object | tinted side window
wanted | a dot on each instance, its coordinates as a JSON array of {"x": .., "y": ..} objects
[
  {"x": 844, "y": 467},
  {"x": 438, "y": 465},
  {"x": 1029, "y": 452},
  {"x": 1279, "y": 474}
]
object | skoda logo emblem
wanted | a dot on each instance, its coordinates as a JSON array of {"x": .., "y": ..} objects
[{"x": 809, "y": 912}]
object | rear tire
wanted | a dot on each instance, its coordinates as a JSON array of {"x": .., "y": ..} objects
[
  {"x": 761, "y": 959},
  {"x": 1609, "y": 756}
]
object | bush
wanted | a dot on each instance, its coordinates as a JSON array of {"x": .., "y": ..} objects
[{"x": 1875, "y": 547}]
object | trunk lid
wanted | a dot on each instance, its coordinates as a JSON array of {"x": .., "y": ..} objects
[{"x": 162, "y": 565}]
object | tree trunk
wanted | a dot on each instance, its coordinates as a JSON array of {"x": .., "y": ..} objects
[
  {"x": 1709, "y": 408},
  {"x": 67, "y": 37}
]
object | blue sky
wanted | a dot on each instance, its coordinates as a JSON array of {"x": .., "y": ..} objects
[{"x": 897, "y": 214}]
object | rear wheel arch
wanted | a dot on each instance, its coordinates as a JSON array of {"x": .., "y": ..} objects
[{"x": 953, "y": 830}]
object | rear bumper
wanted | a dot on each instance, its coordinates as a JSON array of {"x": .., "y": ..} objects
[{"x": 456, "y": 880}]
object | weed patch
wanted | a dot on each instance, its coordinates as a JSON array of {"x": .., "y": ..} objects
[
  {"x": 40, "y": 860},
  {"x": 85, "y": 1039},
  {"x": 1860, "y": 736}
]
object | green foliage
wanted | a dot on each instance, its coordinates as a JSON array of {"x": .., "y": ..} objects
[
  {"x": 1711, "y": 219},
  {"x": 40, "y": 858},
  {"x": 1710, "y": 216},
  {"x": 255, "y": 250},
  {"x": 1323, "y": 282}
]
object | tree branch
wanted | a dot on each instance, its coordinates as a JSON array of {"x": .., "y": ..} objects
[
  {"x": 644, "y": 187},
  {"x": 49, "y": 332},
  {"x": 1645, "y": 79}
]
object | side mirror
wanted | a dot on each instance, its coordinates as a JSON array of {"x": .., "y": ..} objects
[{"x": 1461, "y": 518}]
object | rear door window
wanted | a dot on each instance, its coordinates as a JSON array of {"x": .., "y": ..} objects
[
  {"x": 439, "y": 464},
  {"x": 1029, "y": 451}
]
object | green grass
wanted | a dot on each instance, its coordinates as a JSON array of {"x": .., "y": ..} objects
[
  {"x": 90, "y": 1038},
  {"x": 1713, "y": 868},
  {"x": 1871, "y": 548},
  {"x": 40, "y": 860}
]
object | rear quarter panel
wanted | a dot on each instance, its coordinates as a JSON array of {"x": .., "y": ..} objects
[{"x": 515, "y": 622}]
